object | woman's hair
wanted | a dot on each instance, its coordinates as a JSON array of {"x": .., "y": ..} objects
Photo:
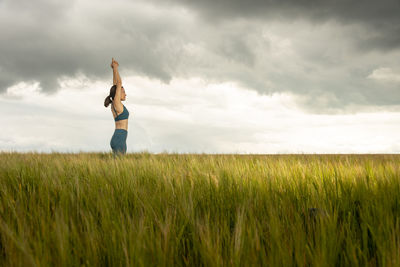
[{"x": 108, "y": 99}]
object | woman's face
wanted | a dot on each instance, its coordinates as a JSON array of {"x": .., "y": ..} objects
[{"x": 123, "y": 94}]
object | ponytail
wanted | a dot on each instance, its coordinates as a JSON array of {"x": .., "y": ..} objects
[{"x": 108, "y": 99}]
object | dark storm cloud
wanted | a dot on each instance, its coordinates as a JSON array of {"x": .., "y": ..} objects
[
  {"x": 382, "y": 16},
  {"x": 327, "y": 78},
  {"x": 320, "y": 50},
  {"x": 26, "y": 52},
  {"x": 43, "y": 41}
]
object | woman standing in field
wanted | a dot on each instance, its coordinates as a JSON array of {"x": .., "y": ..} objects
[{"x": 119, "y": 112}]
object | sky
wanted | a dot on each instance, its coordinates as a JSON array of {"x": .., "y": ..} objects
[{"x": 226, "y": 76}]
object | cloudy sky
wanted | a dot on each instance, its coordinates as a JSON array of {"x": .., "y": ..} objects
[{"x": 207, "y": 76}]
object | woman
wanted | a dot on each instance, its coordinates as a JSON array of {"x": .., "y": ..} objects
[{"x": 119, "y": 112}]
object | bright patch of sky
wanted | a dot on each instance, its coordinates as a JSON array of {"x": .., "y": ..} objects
[{"x": 186, "y": 116}]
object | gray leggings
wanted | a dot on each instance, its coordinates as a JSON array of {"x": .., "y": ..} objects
[{"x": 118, "y": 141}]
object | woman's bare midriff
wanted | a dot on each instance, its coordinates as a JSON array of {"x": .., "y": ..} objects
[{"x": 122, "y": 124}]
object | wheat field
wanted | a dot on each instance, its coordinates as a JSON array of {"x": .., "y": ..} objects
[{"x": 143, "y": 209}]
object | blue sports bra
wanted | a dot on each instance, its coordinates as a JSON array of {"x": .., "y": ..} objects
[{"x": 123, "y": 116}]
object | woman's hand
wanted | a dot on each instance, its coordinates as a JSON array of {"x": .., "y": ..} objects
[{"x": 114, "y": 63}]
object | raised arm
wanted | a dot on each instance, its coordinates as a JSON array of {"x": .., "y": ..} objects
[
  {"x": 115, "y": 78},
  {"x": 117, "y": 81}
]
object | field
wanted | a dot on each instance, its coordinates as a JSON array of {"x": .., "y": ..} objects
[{"x": 144, "y": 209}]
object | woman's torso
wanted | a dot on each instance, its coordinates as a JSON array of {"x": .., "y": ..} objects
[{"x": 120, "y": 124}]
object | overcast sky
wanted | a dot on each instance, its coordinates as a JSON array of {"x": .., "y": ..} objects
[{"x": 207, "y": 76}]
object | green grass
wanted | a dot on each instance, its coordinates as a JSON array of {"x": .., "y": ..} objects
[{"x": 203, "y": 210}]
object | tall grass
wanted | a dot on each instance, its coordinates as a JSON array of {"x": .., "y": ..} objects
[{"x": 205, "y": 210}]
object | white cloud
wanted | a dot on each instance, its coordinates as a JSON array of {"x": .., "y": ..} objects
[
  {"x": 188, "y": 115},
  {"x": 385, "y": 75},
  {"x": 22, "y": 89}
]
